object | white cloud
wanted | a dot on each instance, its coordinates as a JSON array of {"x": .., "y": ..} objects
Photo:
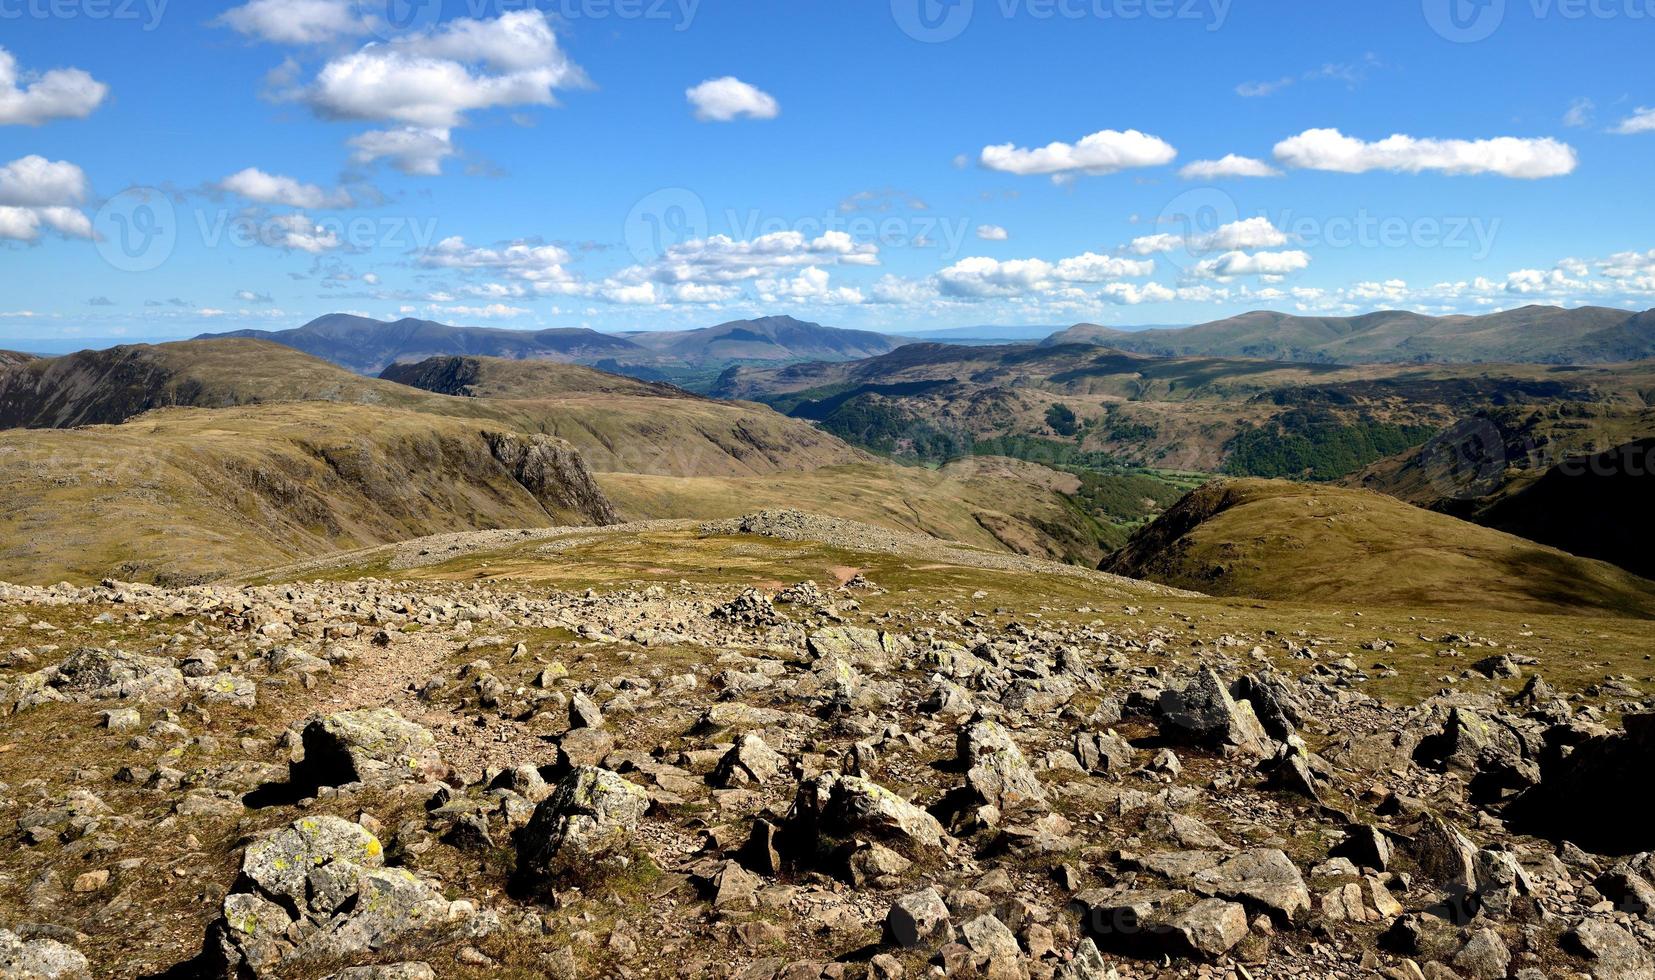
[
  {"x": 1239, "y": 263},
  {"x": 248, "y": 296},
  {"x": 1130, "y": 294},
  {"x": 35, "y": 181},
  {"x": 296, "y": 232},
  {"x": 1255, "y": 90},
  {"x": 1642, "y": 120},
  {"x": 1329, "y": 149},
  {"x": 296, "y": 21},
  {"x": 416, "y": 151},
  {"x": 62, "y": 93},
  {"x": 1156, "y": 244},
  {"x": 1247, "y": 233},
  {"x": 1104, "y": 152},
  {"x": 540, "y": 264},
  {"x": 35, "y": 193},
  {"x": 729, "y": 98},
  {"x": 1580, "y": 113},
  {"x": 1230, "y": 165},
  {"x": 992, "y": 233},
  {"x": 493, "y": 311},
  {"x": 432, "y": 80},
  {"x": 979, "y": 277},
  {"x": 721, "y": 259},
  {"x": 809, "y": 286},
  {"x": 898, "y": 291},
  {"x": 1628, "y": 265},
  {"x": 256, "y": 185}
]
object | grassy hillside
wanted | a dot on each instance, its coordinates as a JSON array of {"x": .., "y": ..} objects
[
  {"x": 1247, "y": 417},
  {"x": 188, "y": 494},
  {"x": 1532, "y": 334},
  {"x": 618, "y": 423},
  {"x": 1287, "y": 541},
  {"x": 498, "y": 377}
]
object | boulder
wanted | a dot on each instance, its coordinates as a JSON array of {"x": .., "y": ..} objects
[
  {"x": 586, "y": 825},
  {"x": 1205, "y": 715},
  {"x": 749, "y": 761},
  {"x": 40, "y": 959},
  {"x": 846, "y": 807},
  {"x": 1612, "y": 952},
  {"x": 315, "y": 891},
  {"x": 918, "y": 921},
  {"x": 377, "y": 747},
  {"x": 996, "y": 771}
]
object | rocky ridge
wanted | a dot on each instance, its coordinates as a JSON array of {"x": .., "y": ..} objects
[{"x": 403, "y": 778}]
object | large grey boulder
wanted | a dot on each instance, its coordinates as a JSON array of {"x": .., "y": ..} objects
[
  {"x": 1205, "y": 715},
  {"x": 996, "y": 771},
  {"x": 315, "y": 891},
  {"x": 378, "y": 747},
  {"x": 40, "y": 959},
  {"x": 845, "y": 807},
  {"x": 585, "y": 826}
]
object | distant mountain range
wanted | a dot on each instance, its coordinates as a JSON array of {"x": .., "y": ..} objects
[
  {"x": 1531, "y": 335},
  {"x": 369, "y": 346}
]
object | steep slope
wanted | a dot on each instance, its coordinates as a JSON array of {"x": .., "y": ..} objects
[
  {"x": 771, "y": 338},
  {"x": 111, "y": 386},
  {"x": 368, "y": 346},
  {"x": 1533, "y": 334},
  {"x": 1249, "y": 416},
  {"x": 619, "y": 423},
  {"x": 11, "y": 357},
  {"x": 187, "y": 494},
  {"x": 1286, "y": 541},
  {"x": 1597, "y": 505},
  {"x": 494, "y": 377}
]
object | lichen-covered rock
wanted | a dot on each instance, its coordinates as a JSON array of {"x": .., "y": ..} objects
[
  {"x": 850, "y": 806},
  {"x": 996, "y": 770},
  {"x": 750, "y": 761},
  {"x": 318, "y": 890},
  {"x": 39, "y": 959},
  {"x": 586, "y": 824},
  {"x": 378, "y": 747}
]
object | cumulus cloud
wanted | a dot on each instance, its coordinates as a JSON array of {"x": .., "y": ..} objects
[
  {"x": 1131, "y": 294},
  {"x": 1329, "y": 149},
  {"x": 413, "y": 150},
  {"x": 248, "y": 296},
  {"x": 809, "y": 286},
  {"x": 296, "y": 21},
  {"x": 38, "y": 193},
  {"x": 256, "y": 185},
  {"x": 298, "y": 233},
  {"x": 1247, "y": 233},
  {"x": 721, "y": 259},
  {"x": 1642, "y": 120},
  {"x": 540, "y": 264},
  {"x": 992, "y": 233},
  {"x": 493, "y": 311},
  {"x": 1229, "y": 165},
  {"x": 980, "y": 277},
  {"x": 1104, "y": 152},
  {"x": 433, "y": 80},
  {"x": 62, "y": 93},
  {"x": 729, "y": 98},
  {"x": 1239, "y": 263}
]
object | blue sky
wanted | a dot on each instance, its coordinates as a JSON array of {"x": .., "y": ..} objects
[{"x": 168, "y": 169}]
